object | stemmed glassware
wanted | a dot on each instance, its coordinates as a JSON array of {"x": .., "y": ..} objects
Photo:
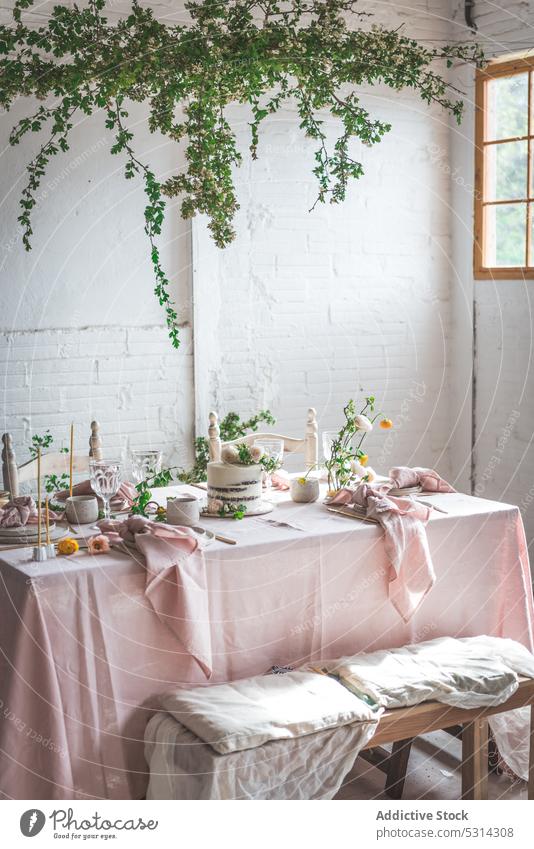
[
  {"x": 105, "y": 476},
  {"x": 328, "y": 438},
  {"x": 273, "y": 449},
  {"x": 145, "y": 464}
]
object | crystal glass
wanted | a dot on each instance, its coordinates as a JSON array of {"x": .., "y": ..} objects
[
  {"x": 105, "y": 476},
  {"x": 274, "y": 450},
  {"x": 145, "y": 464},
  {"x": 328, "y": 438}
]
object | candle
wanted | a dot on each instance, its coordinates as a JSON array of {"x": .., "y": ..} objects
[
  {"x": 71, "y": 456},
  {"x": 47, "y": 520},
  {"x": 39, "y": 497}
]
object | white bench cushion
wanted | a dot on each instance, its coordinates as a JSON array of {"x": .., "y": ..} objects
[{"x": 245, "y": 714}]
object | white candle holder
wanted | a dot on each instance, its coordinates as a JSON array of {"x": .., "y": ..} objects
[
  {"x": 50, "y": 550},
  {"x": 40, "y": 553}
]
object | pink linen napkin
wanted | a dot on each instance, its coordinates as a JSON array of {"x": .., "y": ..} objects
[
  {"x": 280, "y": 481},
  {"x": 21, "y": 510},
  {"x": 429, "y": 479},
  {"x": 121, "y": 501},
  {"x": 176, "y": 584},
  {"x": 411, "y": 575}
]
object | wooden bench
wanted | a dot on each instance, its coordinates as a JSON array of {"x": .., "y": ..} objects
[{"x": 402, "y": 725}]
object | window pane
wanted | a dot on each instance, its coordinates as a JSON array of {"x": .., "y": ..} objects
[
  {"x": 506, "y": 171},
  {"x": 507, "y": 107},
  {"x": 505, "y": 235}
]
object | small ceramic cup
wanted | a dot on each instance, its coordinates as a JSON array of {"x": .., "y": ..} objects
[
  {"x": 81, "y": 509},
  {"x": 304, "y": 490},
  {"x": 183, "y": 510}
]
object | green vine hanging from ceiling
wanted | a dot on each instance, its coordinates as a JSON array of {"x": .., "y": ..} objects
[{"x": 258, "y": 52}]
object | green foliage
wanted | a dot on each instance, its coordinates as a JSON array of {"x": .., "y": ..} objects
[
  {"x": 231, "y": 427},
  {"x": 343, "y": 450},
  {"x": 144, "y": 491},
  {"x": 257, "y": 52},
  {"x": 52, "y": 483},
  {"x": 233, "y": 511}
]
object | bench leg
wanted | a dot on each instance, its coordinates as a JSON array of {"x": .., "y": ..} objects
[
  {"x": 475, "y": 760},
  {"x": 397, "y": 767}
]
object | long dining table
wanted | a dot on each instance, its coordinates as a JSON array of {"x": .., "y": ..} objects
[{"x": 84, "y": 657}]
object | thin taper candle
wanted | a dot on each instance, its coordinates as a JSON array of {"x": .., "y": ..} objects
[
  {"x": 38, "y": 496},
  {"x": 71, "y": 456},
  {"x": 47, "y": 520}
]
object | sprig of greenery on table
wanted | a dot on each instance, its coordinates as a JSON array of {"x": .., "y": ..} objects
[
  {"x": 144, "y": 491},
  {"x": 231, "y": 427},
  {"x": 52, "y": 483},
  {"x": 261, "y": 53}
]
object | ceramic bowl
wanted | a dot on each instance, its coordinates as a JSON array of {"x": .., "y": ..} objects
[{"x": 304, "y": 490}]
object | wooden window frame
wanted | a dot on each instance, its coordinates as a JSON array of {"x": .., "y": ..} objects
[{"x": 495, "y": 69}]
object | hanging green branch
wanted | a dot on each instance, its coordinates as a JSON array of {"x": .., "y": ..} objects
[{"x": 257, "y": 52}]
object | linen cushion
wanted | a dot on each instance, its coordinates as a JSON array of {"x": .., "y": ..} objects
[{"x": 245, "y": 714}]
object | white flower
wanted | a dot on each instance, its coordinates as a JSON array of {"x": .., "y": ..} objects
[
  {"x": 230, "y": 454},
  {"x": 256, "y": 453},
  {"x": 363, "y": 423},
  {"x": 357, "y": 468},
  {"x": 370, "y": 474}
]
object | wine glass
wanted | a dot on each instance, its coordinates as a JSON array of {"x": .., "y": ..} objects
[
  {"x": 274, "y": 450},
  {"x": 105, "y": 476},
  {"x": 145, "y": 464},
  {"x": 329, "y": 436}
]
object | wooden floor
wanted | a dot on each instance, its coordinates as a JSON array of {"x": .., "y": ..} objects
[{"x": 434, "y": 772}]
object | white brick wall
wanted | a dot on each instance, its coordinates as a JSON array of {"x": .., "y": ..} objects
[
  {"x": 314, "y": 308},
  {"x": 138, "y": 388}
]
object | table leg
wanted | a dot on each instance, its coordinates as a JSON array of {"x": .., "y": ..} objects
[{"x": 475, "y": 760}]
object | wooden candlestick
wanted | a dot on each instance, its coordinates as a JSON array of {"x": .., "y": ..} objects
[
  {"x": 71, "y": 458},
  {"x": 39, "y": 497}
]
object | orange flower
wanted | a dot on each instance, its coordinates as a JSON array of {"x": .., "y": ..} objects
[
  {"x": 364, "y": 459},
  {"x": 98, "y": 544},
  {"x": 67, "y": 546},
  {"x": 386, "y": 424}
]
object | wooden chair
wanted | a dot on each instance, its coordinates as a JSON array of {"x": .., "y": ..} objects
[
  {"x": 308, "y": 445},
  {"x": 402, "y": 725},
  {"x": 53, "y": 463}
]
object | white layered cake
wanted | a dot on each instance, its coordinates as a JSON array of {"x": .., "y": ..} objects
[{"x": 235, "y": 484}]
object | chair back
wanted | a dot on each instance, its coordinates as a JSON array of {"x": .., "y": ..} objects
[
  {"x": 51, "y": 464},
  {"x": 307, "y": 445}
]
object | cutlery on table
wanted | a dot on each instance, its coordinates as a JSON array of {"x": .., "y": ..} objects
[{"x": 430, "y": 504}]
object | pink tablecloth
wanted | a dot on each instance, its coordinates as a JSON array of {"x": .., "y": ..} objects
[{"x": 83, "y": 656}]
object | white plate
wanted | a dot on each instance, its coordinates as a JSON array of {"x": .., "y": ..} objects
[
  {"x": 405, "y": 490},
  {"x": 265, "y": 507},
  {"x": 29, "y": 534}
]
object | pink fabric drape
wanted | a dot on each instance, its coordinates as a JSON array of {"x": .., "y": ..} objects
[
  {"x": 175, "y": 579},
  {"x": 428, "y": 479},
  {"x": 411, "y": 574}
]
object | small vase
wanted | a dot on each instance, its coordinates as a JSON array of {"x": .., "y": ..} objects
[{"x": 304, "y": 490}]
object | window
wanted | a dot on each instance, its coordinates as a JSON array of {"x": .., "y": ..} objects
[{"x": 504, "y": 173}]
